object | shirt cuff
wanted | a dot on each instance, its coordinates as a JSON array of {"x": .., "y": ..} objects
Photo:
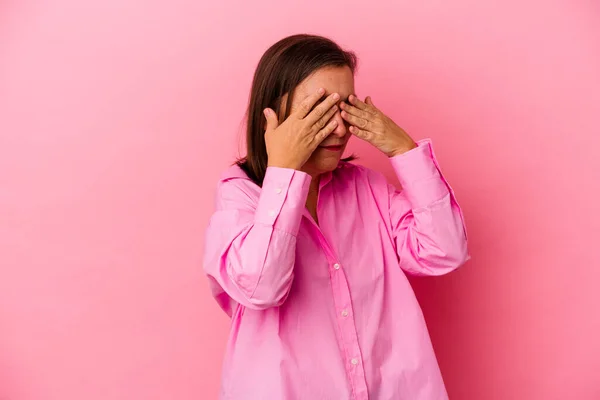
[
  {"x": 283, "y": 199},
  {"x": 420, "y": 176}
]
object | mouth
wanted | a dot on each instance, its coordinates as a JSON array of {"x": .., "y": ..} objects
[{"x": 333, "y": 148}]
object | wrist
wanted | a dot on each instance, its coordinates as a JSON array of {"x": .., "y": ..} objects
[
  {"x": 286, "y": 165},
  {"x": 403, "y": 149}
]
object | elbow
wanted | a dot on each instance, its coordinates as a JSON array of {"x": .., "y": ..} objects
[
  {"x": 436, "y": 261},
  {"x": 453, "y": 257},
  {"x": 452, "y": 247},
  {"x": 265, "y": 303},
  {"x": 263, "y": 291},
  {"x": 462, "y": 250},
  {"x": 274, "y": 297},
  {"x": 458, "y": 257}
]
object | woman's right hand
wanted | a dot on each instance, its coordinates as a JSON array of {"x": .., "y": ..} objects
[{"x": 291, "y": 143}]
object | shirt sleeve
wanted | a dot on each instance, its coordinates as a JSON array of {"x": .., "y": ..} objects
[
  {"x": 427, "y": 222},
  {"x": 250, "y": 245}
]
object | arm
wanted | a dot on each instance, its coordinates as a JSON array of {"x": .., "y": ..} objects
[
  {"x": 426, "y": 220},
  {"x": 427, "y": 223},
  {"x": 250, "y": 246}
]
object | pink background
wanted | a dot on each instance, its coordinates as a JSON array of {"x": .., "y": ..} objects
[{"x": 116, "y": 118}]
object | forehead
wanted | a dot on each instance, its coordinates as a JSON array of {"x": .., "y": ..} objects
[{"x": 332, "y": 79}]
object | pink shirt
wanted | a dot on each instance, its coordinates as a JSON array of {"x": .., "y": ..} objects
[{"x": 326, "y": 312}]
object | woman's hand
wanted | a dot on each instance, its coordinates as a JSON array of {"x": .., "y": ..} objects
[
  {"x": 290, "y": 144},
  {"x": 370, "y": 124}
]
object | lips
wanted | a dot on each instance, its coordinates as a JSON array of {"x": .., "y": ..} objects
[{"x": 333, "y": 147}]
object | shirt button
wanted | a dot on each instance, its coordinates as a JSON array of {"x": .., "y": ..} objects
[
  {"x": 271, "y": 213},
  {"x": 278, "y": 190},
  {"x": 336, "y": 266},
  {"x": 344, "y": 313},
  {"x": 354, "y": 361}
]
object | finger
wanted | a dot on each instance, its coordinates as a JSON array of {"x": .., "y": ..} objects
[
  {"x": 308, "y": 103},
  {"x": 360, "y": 123},
  {"x": 361, "y": 134},
  {"x": 271, "y": 117},
  {"x": 323, "y": 133},
  {"x": 322, "y": 108},
  {"x": 358, "y": 103},
  {"x": 350, "y": 109},
  {"x": 322, "y": 122},
  {"x": 369, "y": 101}
]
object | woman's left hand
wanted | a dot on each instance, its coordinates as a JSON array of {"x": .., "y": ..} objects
[{"x": 370, "y": 124}]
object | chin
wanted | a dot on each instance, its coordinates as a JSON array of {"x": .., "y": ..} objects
[
  {"x": 322, "y": 166},
  {"x": 329, "y": 166}
]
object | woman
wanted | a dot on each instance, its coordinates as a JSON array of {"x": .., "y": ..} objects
[{"x": 307, "y": 252}]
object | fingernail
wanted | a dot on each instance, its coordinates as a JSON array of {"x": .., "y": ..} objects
[
  {"x": 336, "y": 96},
  {"x": 321, "y": 91},
  {"x": 266, "y": 112}
]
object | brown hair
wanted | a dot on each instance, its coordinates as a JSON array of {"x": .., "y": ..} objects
[{"x": 283, "y": 66}]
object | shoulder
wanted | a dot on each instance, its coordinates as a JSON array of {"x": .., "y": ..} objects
[{"x": 234, "y": 186}]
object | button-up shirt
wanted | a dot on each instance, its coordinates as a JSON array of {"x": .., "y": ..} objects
[{"x": 325, "y": 312}]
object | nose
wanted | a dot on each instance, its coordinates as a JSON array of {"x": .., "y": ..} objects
[{"x": 340, "y": 130}]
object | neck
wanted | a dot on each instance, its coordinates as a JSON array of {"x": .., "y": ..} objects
[
  {"x": 314, "y": 184},
  {"x": 313, "y": 197}
]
